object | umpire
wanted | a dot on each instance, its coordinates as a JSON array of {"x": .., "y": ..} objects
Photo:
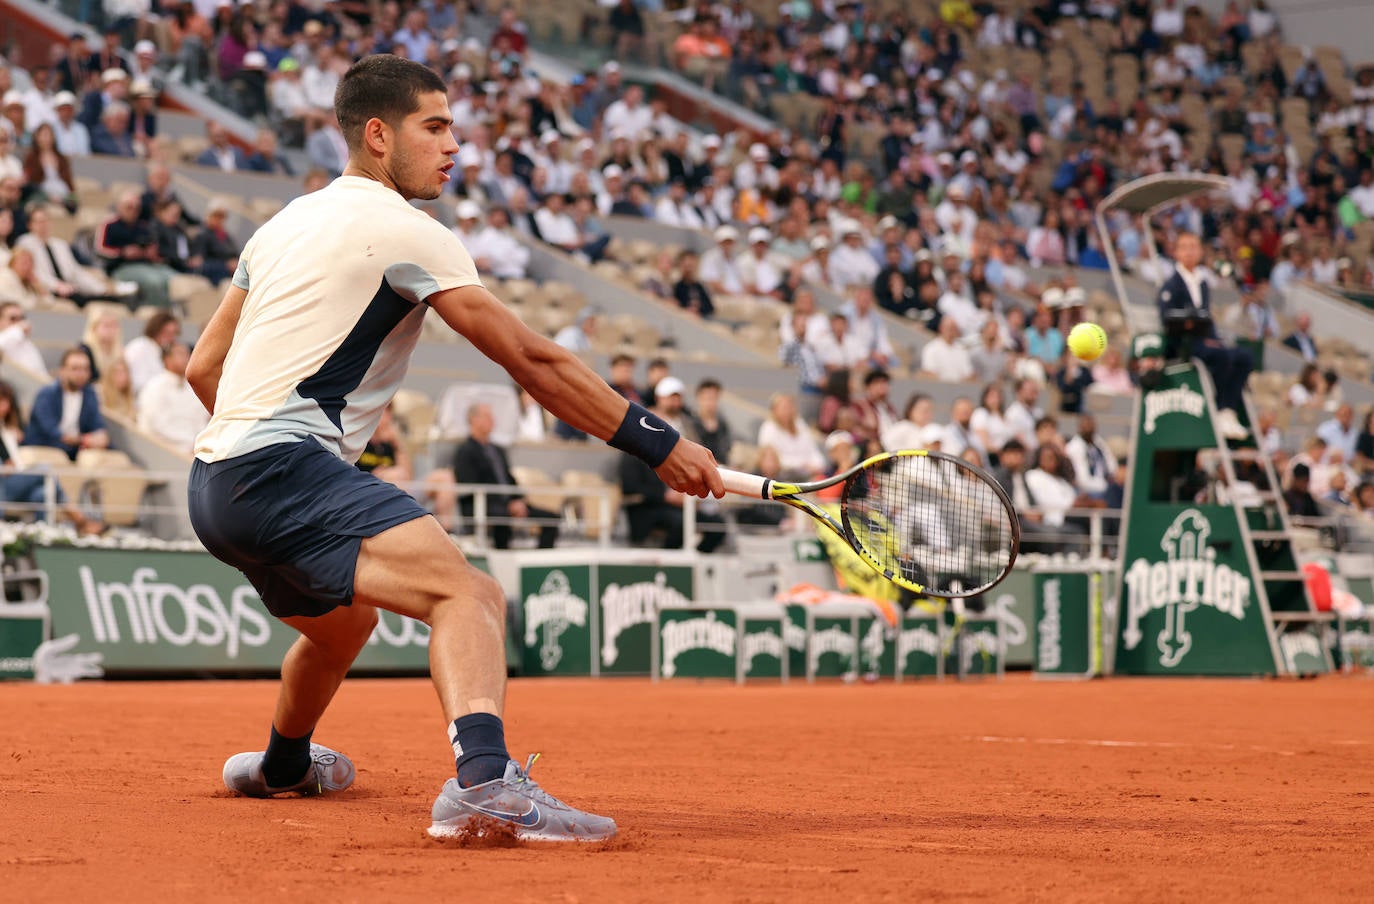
[{"x": 1185, "y": 310}]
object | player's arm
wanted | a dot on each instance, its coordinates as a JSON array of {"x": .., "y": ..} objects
[
  {"x": 559, "y": 381},
  {"x": 207, "y": 360}
]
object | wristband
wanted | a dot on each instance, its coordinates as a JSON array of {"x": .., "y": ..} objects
[{"x": 644, "y": 435}]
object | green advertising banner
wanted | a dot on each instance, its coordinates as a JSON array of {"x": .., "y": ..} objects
[
  {"x": 150, "y": 611},
  {"x": 972, "y": 644},
  {"x": 765, "y": 651},
  {"x": 877, "y": 646},
  {"x": 794, "y": 633},
  {"x": 558, "y": 635},
  {"x": 698, "y": 642},
  {"x": 628, "y": 596},
  {"x": 918, "y": 646},
  {"x": 832, "y": 647},
  {"x": 1064, "y": 637},
  {"x": 22, "y": 629}
]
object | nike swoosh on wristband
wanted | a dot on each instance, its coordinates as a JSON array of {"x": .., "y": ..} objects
[
  {"x": 644, "y": 422},
  {"x": 529, "y": 819}
]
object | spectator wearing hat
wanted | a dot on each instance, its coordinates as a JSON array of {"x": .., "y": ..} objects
[
  {"x": 850, "y": 263},
  {"x": 690, "y": 293},
  {"x": 719, "y": 267},
  {"x": 760, "y": 274},
  {"x": 13, "y": 119},
  {"x": 73, "y": 138},
  {"x": 246, "y": 90},
  {"x": 143, "y": 114},
  {"x": 145, "y": 66},
  {"x": 504, "y": 255},
  {"x": 629, "y": 116},
  {"x": 288, "y": 101},
  {"x": 114, "y": 86}
]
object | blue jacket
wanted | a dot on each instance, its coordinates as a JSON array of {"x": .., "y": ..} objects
[
  {"x": 1175, "y": 304},
  {"x": 44, "y": 427}
]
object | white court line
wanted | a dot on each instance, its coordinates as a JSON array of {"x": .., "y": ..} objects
[{"x": 1162, "y": 745}]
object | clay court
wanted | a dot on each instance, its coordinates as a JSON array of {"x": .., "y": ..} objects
[{"x": 1120, "y": 790}]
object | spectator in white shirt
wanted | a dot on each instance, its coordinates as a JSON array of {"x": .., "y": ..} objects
[
  {"x": 758, "y": 272},
  {"x": 1340, "y": 431},
  {"x": 15, "y": 344},
  {"x": 868, "y": 328},
  {"x": 143, "y": 354},
  {"x": 756, "y": 172},
  {"x": 786, "y": 432},
  {"x": 167, "y": 406},
  {"x": 1362, "y": 195},
  {"x": 945, "y": 358},
  {"x": 837, "y": 347},
  {"x": 1024, "y": 411},
  {"x": 816, "y": 268},
  {"x": 850, "y": 262},
  {"x": 629, "y": 116},
  {"x": 1050, "y": 493},
  {"x": 676, "y": 208},
  {"x": 558, "y": 228},
  {"x": 1168, "y": 20},
  {"x": 1094, "y": 465},
  {"x": 916, "y": 424},
  {"x": 955, "y": 217},
  {"x": 578, "y": 335},
  {"x": 72, "y": 137},
  {"x": 504, "y": 255},
  {"x": 804, "y": 309},
  {"x": 719, "y": 271},
  {"x": 956, "y": 304}
]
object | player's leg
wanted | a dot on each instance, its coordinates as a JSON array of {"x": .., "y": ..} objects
[
  {"x": 414, "y": 569},
  {"x": 316, "y": 664}
]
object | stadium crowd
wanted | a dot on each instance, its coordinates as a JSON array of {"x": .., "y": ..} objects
[{"x": 932, "y": 182}]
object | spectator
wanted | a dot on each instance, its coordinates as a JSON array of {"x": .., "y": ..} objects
[
  {"x": 784, "y": 430},
  {"x": 1054, "y": 496},
  {"x": 944, "y": 358},
  {"x": 1110, "y": 376},
  {"x": 1300, "y": 340},
  {"x": 326, "y": 147},
  {"x": 622, "y": 378},
  {"x": 917, "y": 422},
  {"x": 1072, "y": 379},
  {"x": 213, "y": 247},
  {"x": 1010, "y": 472},
  {"x": 873, "y": 413},
  {"x": 173, "y": 244},
  {"x": 142, "y": 116},
  {"x": 143, "y": 353},
  {"x": 960, "y": 436},
  {"x": 30, "y": 487},
  {"x": 655, "y": 373},
  {"x": 1044, "y": 341},
  {"x": 868, "y": 328},
  {"x": 707, "y": 423},
  {"x": 19, "y": 282},
  {"x": 1308, "y": 390},
  {"x": 478, "y": 460},
  {"x": 266, "y": 158},
  {"x": 668, "y": 402},
  {"x": 701, "y": 53},
  {"x": 111, "y": 135},
  {"x": 71, "y": 135},
  {"x": 558, "y": 228},
  {"x": 990, "y": 358},
  {"x": 1298, "y": 495},
  {"x": 628, "y": 27},
  {"x": 629, "y": 116},
  {"x": 222, "y": 153},
  {"x": 158, "y": 188},
  {"x": 1094, "y": 465},
  {"x": 989, "y": 424},
  {"x": 759, "y": 273},
  {"x": 47, "y": 171},
  {"x": 689, "y": 291},
  {"x": 651, "y": 506},
  {"x": 578, "y": 335},
  {"x": 719, "y": 268},
  {"x": 1340, "y": 433},
  {"x": 1024, "y": 411},
  {"x": 168, "y": 408},
  {"x": 850, "y": 263},
  {"x": 496, "y": 250},
  {"x": 66, "y": 413},
  {"x": 16, "y": 346},
  {"x": 128, "y": 249},
  {"x": 114, "y": 88},
  {"x": 101, "y": 339},
  {"x": 839, "y": 350}
]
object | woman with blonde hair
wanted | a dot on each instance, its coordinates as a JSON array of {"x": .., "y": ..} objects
[
  {"x": 103, "y": 340},
  {"x": 789, "y": 435},
  {"x": 116, "y": 390},
  {"x": 19, "y": 283}
]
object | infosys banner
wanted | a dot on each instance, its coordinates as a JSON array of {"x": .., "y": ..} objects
[{"x": 148, "y": 611}]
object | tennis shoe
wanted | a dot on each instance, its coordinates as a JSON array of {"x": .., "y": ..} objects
[
  {"x": 329, "y": 771},
  {"x": 514, "y": 803}
]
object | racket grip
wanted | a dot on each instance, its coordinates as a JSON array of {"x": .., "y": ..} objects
[{"x": 742, "y": 484}]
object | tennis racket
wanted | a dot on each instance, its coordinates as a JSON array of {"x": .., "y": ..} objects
[{"x": 926, "y": 521}]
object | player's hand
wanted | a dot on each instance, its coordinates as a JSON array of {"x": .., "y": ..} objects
[{"x": 691, "y": 468}]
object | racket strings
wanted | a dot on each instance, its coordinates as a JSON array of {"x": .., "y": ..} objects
[{"x": 934, "y": 522}]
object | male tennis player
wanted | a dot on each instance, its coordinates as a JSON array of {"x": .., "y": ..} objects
[{"x": 296, "y": 365}]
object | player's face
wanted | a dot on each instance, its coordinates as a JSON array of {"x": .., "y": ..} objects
[{"x": 421, "y": 157}]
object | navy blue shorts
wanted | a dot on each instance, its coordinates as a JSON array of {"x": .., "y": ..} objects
[{"x": 292, "y": 517}]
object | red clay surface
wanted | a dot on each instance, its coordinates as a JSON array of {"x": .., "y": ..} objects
[{"x": 1122, "y": 790}]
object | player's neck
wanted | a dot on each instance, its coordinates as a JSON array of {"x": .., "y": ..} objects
[{"x": 367, "y": 170}]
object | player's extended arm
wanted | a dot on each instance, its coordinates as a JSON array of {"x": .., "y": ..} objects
[
  {"x": 560, "y": 382},
  {"x": 207, "y": 360}
]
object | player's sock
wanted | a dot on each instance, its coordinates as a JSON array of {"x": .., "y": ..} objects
[
  {"x": 479, "y": 748},
  {"x": 286, "y": 760}
]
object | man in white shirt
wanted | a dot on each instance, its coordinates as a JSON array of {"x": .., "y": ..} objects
[
  {"x": 1341, "y": 432},
  {"x": 756, "y": 172},
  {"x": 629, "y": 116},
  {"x": 868, "y": 328},
  {"x": 956, "y": 219},
  {"x": 168, "y": 407},
  {"x": 850, "y": 262},
  {"x": 1022, "y": 414},
  {"x": 69, "y": 132},
  {"x": 955, "y": 304},
  {"x": 676, "y": 208},
  {"x": 718, "y": 269},
  {"x": 945, "y": 358},
  {"x": 1362, "y": 195},
  {"x": 757, "y": 271},
  {"x": 838, "y": 348},
  {"x": 1094, "y": 465},
  {"x": 505, "y": 256}
]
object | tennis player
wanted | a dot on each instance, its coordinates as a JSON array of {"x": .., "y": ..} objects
[{"x": 307, "y": 347}]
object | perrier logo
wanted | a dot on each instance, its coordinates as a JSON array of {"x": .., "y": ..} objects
[
  {"x": 1187, "y": 577},
  {"x": 548, "y": 613},
  {"x": 1181, "y": 400},
  {"x": 705, "y": 633},
  {"x": 624, "y": 606}
]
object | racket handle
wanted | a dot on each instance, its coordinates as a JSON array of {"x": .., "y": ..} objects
[{"x": 742, "y": 484}]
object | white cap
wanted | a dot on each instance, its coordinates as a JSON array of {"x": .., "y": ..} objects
[
  {"x": 113, "y": 74},
  {"x": 64, "y": 99},
  {"x": 613, "y": 171},
  {"x": 451, "y": 45},
  {"x": 669, "y": 386},
  {"x": 956, "y": 191},
  {"x": 460, "y": 73},
  {"x": 611, "y": 66},
  {"x": 759, "y": 234},
  {"x": 585, "y": 145},
  {"x": 945, "y": 158},
  {"x": 758, "y": 151},
  {"x": 849, "y": 227},
  {"x": 13, "y": 97},
  {"x": 838, "y": 438},
  {"x": 468, "y": 209},
  {"x": 1075, "y": 297},
  {"x": 968, "y": 157},
  {"x": 468, "y": 155},
  {"x": 820, "y": 243},
  {"x": 550, "y": 136},
  {"x": 141, "y": 87},
  {"x": 145, "y": 46},
  {"x": 711, "y": 141},
  {"x": 255, "y": 59},
  {"x": 1052, "y": 298},
  {"x": 868, "y": 80},
  {"x": 726, "y": 234},
  {"x": 887, "y": 222}
]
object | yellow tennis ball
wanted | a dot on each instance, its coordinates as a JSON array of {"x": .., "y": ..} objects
[{"x": 1087, "y": 341}]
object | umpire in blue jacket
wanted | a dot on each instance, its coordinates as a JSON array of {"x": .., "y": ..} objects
[{"x": 1185, "y": 309}]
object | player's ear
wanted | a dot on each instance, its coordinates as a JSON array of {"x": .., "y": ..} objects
[{"x": 376, "y": 136}]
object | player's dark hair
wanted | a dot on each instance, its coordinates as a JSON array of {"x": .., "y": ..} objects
[{"x": 382, "y": 86}]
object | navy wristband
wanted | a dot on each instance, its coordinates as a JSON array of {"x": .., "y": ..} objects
[{"x": 645, "y": 435}]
